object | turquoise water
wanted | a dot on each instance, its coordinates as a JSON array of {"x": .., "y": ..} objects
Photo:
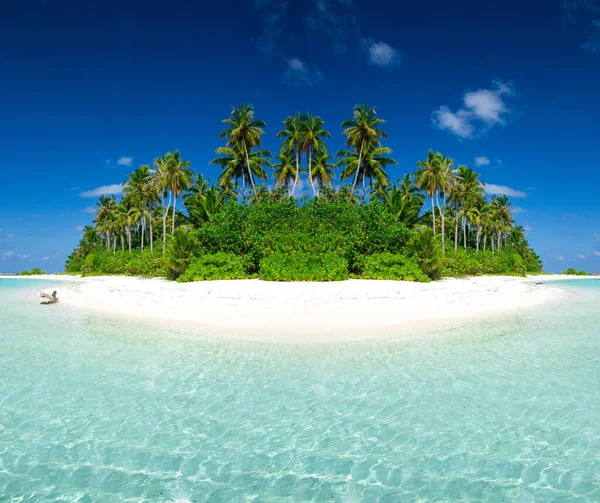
[{"x": 95, "y": 409}]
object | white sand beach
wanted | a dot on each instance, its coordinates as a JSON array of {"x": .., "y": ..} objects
[{"x": 307, "y": 312}]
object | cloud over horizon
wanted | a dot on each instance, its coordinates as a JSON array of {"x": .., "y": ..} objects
[
  {"x": 104, "y": 190},
  {"x": 125, "y": 161},
  {"x": 483, "y": 109},
  {"x": 482, "y": 161},
  {"x": 502, "y": 190}
]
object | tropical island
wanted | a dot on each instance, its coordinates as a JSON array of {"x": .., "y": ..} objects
[{"x": 355, "y": 223}]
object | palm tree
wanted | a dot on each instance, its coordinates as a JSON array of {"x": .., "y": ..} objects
[
  {"x": 235, "y": 164},
  {"x": 404, "y": 205},
  {"x": 428, "y": 177},
  {"x": 262, "y": 194},
  {"x": 180, "y": 178},
  {"x": 292, "y": 135},
  {"x": 362, "y": 131},
  {"x": 313, "y": 140},
  {"x": 445, "y": 182},
  {"x": 285, "y": 170},
  {"x": 137, "y": 195},
  {"x": 502, "y": 208},
  {"x": 467, "y": 193},
  {"x": 322, "y": 170},
  {"x": 374, "y": 164},
  {"x": 162, "y": 176},
  {"x": 244, "y": 131},
  {"x": 104, "y": 216}
]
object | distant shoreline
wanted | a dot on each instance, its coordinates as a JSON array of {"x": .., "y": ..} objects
[{"x": 305, "y": 312}]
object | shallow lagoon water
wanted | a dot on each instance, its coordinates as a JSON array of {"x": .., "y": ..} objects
[{"x": 101, "y": 409}]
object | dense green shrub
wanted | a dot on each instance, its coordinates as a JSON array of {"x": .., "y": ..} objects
[
  {"x": 571, "y": 271},
  {"x": 472, "y": 263},
  {"x": 392, "y": 266},
  {"x": 426, "y": 248},
  {"x": 317, "y": 227},
  {"x": 34, "y": 272},
  {"x": 182, "y": 245},
  {"x": 298, "y": 266},
  {"x": 135, "y": 263},
  {"x": 215, "y": 266}
]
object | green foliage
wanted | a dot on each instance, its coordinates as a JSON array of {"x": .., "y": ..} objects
[
  {"x": 426, "y": 248},
  {"x": 571, "y": 271},
  {"x": 34, "y": 272},
  {"x": 135, "y": 263},
  {"x": 319, "y": 226},
  {"x": 216, "y": 266},
  {"x": 472, "y": 263},
  {"x": 392, "y": 266},
  {"x": 298, "y": 266},
  {"x": 181, "y": 246}
]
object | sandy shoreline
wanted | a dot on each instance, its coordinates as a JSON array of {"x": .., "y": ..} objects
[{"x": 307, "y": 312}]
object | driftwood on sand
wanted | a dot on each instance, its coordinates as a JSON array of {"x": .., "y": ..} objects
[{"x": 48, "y": 298}]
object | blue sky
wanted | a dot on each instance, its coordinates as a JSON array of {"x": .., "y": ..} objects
[{"x": 92, "y": 89}]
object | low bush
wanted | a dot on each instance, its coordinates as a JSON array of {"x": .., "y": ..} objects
[
  {"x": 392, "y": 266},
  {"x": 216, "y": 266},
  {"x": 34, "y": 272},
  {"x": 135, "y": 263},
  {"x": 574, "y": 272},
  {"x": 472, "y": 263},
  {"x": 299, "y": 266}
]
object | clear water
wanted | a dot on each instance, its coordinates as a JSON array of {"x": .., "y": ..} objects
[{"x": 95, "y": 409}]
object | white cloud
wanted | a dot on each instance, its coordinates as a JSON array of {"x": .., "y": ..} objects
[
  {"x": 597, "y": 253},
  {"x": 482, "y": 161},
  {"x": 46, "y": 258},
  {"x": 502, "y": 190},
  {"x": 596, "y": 235},
  {"x": 9, "y": 253},
  {"x": 107, "y": 161},
  {"x": 580, "y": 256},
  {"x": 483, "y": 109},
  {"x": 125, "y": 161},
  {"x": 528, "y": 228},
  {"x": 382, "y": 54},
  {"x": 299, "y": 74},
  {"x": 517, "y": 209},
  {"x": 79, "y": 228},
  {"x": 25, "y": 256},
  {"x": 561, "y": 258},
  {"x": 89, "y": 209},
  {"x": 10, "y": 235},
  {"x": 104, "y": 190}
]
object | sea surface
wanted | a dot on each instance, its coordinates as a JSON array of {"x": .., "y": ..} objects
[{"x": 94, "y": 409}]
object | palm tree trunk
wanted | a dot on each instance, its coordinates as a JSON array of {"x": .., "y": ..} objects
[
  {"x": 499, "y": 238},
  {"x": 442, "y": 218},
  {"x": 122, "y": 242},
  {"x": 484, "y": 241},
  {"x": 456, "y": 229},
  {"x": 312, "y": 184},
  {"x": 165, "y": 213},
  {"x": 297, "y": 171},
  {"x": 363, "y": 188},
  {"x": 143, "y": 228},
  {"x": 107, "y": 241},
  {"x": 174, "y": 211},
  {"x": 129, "y": 237},
  {"x": 244, "y": 189},
  {"x": 249, "y": 174},
  {"x": 478, "y": 235},
  {"x": 114, "y": 240},
  {"x": 433, "y": 212},
  {"x": 492, "y": 240},
  {"x": 357, "y": 171},
  {"x": 465, "y": 233},
  {"x": 151, "y": 236}
]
